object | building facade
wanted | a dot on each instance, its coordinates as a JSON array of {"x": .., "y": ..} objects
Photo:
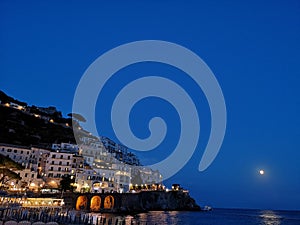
[{"x": 93, "y": 167}]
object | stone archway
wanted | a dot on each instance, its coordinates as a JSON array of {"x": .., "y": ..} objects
[
  {"x": 95, "y": 203},
  {"x": 81, "y": 203},
  {"x": 109, "y": 202}
]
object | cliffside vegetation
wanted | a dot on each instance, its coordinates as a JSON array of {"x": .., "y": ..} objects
[{"x": 7, "y": 170}]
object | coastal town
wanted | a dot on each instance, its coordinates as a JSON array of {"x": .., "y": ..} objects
[
  {"x": 95, "y": 175},
  {"x": 98, "y": 164},
  {"x": 91, "y": 167}
]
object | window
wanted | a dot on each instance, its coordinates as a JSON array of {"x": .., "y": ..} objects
[
  {"x": 60, "y": 163},
  {"x": 15, "y": 151},
  {"x": 69, "y": 157},
  {"x": 32, "y": 175},
  {"x": 53, "y": 156},
  {"x": 52, "y": 163},
  {"x": 51, "y": 168},
  {"x": 68, "y": 163},
  {"x": 21, "y": 152},
  {"x": 59, "y": 168},
  {"x": 26, "y": 174},
  {"x": 61, "y": 156}
]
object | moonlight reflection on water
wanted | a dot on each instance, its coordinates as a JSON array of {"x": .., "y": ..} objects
[{"x": 269, "y": 217}]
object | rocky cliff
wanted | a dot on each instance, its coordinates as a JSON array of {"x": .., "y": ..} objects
[{"x": 172, "y": 200}]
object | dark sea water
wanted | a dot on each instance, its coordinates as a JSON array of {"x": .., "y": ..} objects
[{"x": 215, "y": 217}]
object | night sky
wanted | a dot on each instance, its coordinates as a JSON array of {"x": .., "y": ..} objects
[{"x": 253, "y": 48}]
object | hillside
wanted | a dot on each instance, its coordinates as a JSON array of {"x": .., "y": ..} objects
[{"x": 31, "y": 125}]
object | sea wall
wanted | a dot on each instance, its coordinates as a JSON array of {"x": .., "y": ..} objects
[{"x": 131, "y": 202}]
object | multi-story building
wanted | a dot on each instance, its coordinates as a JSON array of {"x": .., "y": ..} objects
[
  {"x": 91, "y": 181},
  {"x": 30, "y": 180},
  {"x": 78, "y": 164},
  {"x": 148, "y": 176},
  {"x": 107, "y": 166},
  {"x": 120, "y": 152},
  {"x": 29, "y": 157},
  {"x": 118, "y": 173},
  {"x": 43, "y": 166},
  {"x": 60, "y": 164},
  {"x": 122, "y": 176},
  {"x": 94, "y": 167},
  {"x": 83, "y": 181}
]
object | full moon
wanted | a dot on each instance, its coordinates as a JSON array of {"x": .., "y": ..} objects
[{"x": 261, "y": 172}]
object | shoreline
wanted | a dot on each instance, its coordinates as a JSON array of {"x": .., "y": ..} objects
[{"x": 60, "y": 216}]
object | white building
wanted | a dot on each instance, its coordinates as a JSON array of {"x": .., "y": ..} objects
[
  {"x": 90, "y": 181},
  {"x": 60, "y": 164},
  {"x": 118, "y": 174},
  {"x": 31, "y": 159},
  {"x": 28, "y": 157},
  {"x": 120, "y": 152},
  {"x": 107, "y": 166},
  {"x": 42, "y": 166},
  {"x": 149, "y": 176},
  {"x": 104, "y": 173}
]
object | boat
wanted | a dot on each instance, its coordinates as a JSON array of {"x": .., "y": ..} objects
[{"x": 207, "y": 208}]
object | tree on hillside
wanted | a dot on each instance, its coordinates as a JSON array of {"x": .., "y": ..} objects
[
  {"x": 66, "y": 183},
  {"x": 77, "y": 116},
  {"x": 7, "y": 170}
]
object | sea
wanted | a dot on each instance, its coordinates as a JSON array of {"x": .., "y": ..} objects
[{"x": 214, "y": 217}]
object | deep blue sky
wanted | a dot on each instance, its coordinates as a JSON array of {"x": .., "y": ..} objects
[{"x": 253, "y": 48}]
